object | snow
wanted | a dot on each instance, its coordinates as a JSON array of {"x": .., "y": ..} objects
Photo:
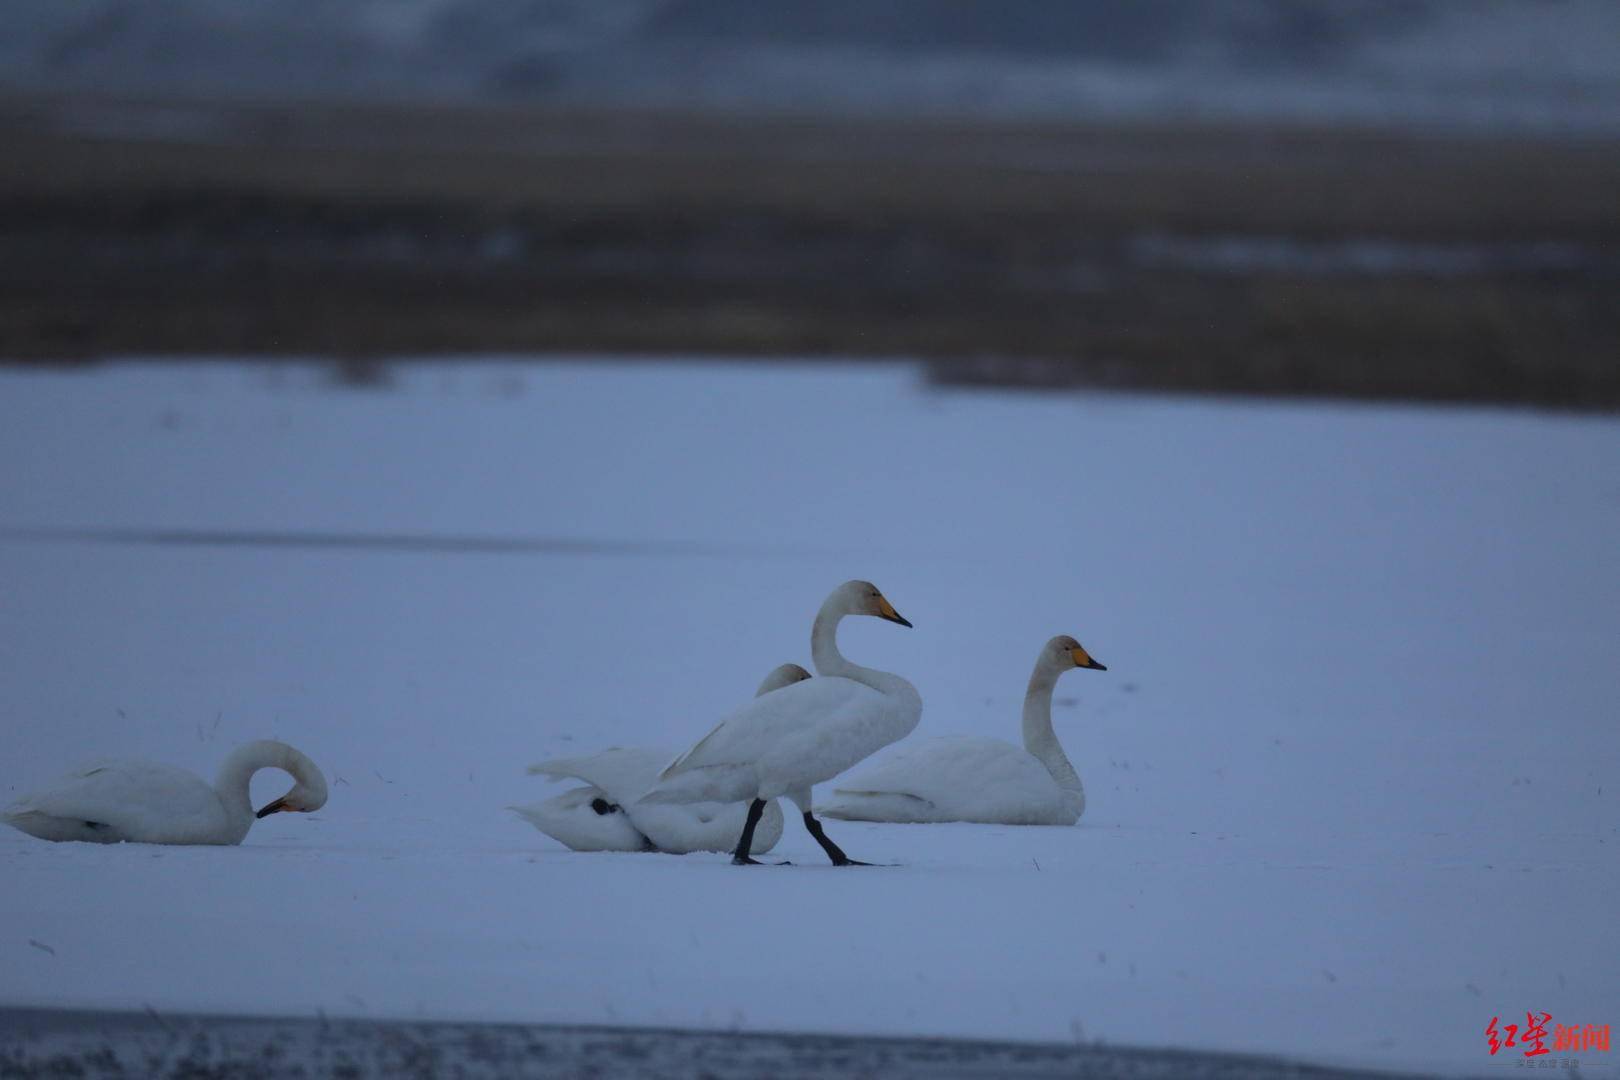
[{"x": 1351, "y": 772}]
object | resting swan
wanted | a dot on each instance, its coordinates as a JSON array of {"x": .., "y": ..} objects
[
  {"x": 976, "y": 779},
  {"x": 604, "y": 815},
  {"x": 790, "y": 739},
  {"x": 149, "y": 803}
]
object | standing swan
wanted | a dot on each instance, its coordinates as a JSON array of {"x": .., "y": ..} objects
[
  {"x": 604, "y": 815},
  {"x": 793, "y": 738},
  {"x": 965, "y": 778},
  {"x": 149, "y": 803}
]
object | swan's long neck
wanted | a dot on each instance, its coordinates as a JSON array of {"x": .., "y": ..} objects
[
  {"x": 1039, "y": 738},
  {"x": 236, "y": 773},
  {"x": 829, "y": 661}
]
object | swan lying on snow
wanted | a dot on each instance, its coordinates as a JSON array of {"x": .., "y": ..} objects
[
  {"x": 975, "y": 779},
  {"x": 604, "y": 815},
  {"x": 149, "y": 803},
  {"x": 790, "y": 739}
]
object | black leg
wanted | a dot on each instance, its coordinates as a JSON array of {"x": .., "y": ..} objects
[
  {"x": 834, "y": 852},
  {"x": 746, "y": 842}
]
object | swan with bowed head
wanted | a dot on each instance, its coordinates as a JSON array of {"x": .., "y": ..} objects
[{"x": 147, "y": 802}]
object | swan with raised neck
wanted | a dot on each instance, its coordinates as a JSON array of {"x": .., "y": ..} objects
[
  {"x": 854, "y": 598},
  {"x": 792, "y": 739},
  {"x": 1062, "y": 653},
  {"x": 976, "y": 778}
]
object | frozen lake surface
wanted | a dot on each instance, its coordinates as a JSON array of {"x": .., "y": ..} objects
[{"x": 1351, "y": 774}]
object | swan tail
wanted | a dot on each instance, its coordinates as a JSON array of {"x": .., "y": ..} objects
[
  {"x": 556, "y": 769},
  {"x": 51, "y": 827}
]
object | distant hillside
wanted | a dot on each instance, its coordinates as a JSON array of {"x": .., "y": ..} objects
[{"x": 1484, "y": 65}]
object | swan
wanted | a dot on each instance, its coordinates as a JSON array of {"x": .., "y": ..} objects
[
  {"x": 965, "y": 778},
  {"x": 150, "y": 803},
  {"x": 790, "y": 739},
  {"x": 604, "y": 816}
]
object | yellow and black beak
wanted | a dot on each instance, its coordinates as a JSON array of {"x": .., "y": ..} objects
[
  {"x": 886, "y": 611},
  {"x": 274, "y": 807},
  {"x": 1083, "y": 659}
]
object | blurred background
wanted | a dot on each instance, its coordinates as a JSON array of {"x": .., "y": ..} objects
[
  {"x": 1370, "y": 198},
  {"x": 444, "y": 385}
]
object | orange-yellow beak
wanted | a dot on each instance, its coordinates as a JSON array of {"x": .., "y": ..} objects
[
  {"x": 886, "y": 610},
  {"x": 1083, "y": 659},
  {"x": 274, "y": 807}
]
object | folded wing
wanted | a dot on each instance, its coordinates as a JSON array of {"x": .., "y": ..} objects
[
  {"x": 822, "y": 726},
  {"x": 953, "y": 779},
  {"x": 112, "y": 801}
]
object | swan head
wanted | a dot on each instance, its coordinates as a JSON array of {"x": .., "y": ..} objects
[
  {"x": 1063, "y": 652},
  {"x": 308, "y": 793},
  {"x": 865, "y": 598},
  {"x": 786, "y": 675}
]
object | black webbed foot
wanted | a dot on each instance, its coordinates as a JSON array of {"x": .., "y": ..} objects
[{"x": 834, "y": 852}]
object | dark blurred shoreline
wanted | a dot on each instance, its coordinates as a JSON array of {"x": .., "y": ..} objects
[
  {"x": 1252, "y": 260},
  {"x": 67, "y": 1042}
]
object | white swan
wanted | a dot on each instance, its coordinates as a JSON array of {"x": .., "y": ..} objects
[
  {"x": 604, "y": 815},
  {"x": 149, "y": 803},
  {"x": 790, "y": 739},
  {"x": 976, "y": 779}
]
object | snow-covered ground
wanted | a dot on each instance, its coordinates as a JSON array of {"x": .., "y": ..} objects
[{"x": 1352, "y": 770}]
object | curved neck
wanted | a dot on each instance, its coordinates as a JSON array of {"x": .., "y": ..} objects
[
  {"x": 829, "y": 661},
  {"x": 824, "y": 641},
  {"x": 1039, "y": 738},
  {"x": 235, "y": 774}
]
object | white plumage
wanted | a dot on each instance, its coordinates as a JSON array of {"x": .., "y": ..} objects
[
  {"x": 787, "y": 741},
  {"x": 784, "y": 742},
  {"x": 605, "y": 814},
  {"x": 152, "y": 803},
  {"x": 967, "y": 778},
  {"x": 961, "y": 778},
  {"x": 583, "y": 820}
]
